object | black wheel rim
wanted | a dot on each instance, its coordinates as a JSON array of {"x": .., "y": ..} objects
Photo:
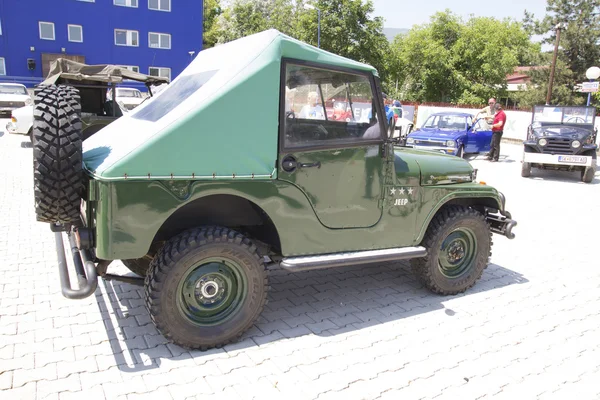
[
  {"x": 457, "y": 253},
  {"x": 212, "y": 291}
]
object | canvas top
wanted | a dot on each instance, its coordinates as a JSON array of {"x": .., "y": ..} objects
[
  {"x": 62, "y": 68},
  {"x": 218, "y": 119}
]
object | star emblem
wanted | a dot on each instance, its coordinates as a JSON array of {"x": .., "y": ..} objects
[
  {"x": 410, "y": 190},
  {"x": 401, "y": 191},
  {"x": 392, "y": 191}
]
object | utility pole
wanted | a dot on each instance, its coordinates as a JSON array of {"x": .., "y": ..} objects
[{"x": 558, "y": 27}]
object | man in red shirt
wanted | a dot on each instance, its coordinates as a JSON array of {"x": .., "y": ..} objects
[{"x": 497, "y": 131}]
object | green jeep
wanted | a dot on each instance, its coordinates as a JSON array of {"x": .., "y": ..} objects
[{"x": 199, "y": 196}]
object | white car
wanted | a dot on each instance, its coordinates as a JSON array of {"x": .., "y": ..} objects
[
  {"x": 130, "y": 98},
  {"x": 13, "y": 96},
  {"x": 21, "y": 121}
]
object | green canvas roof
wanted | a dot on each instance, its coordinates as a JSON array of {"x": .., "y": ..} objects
[{"x": 218, "y": 119}]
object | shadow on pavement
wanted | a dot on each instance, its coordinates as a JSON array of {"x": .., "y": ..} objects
[
  {"x": 324, "y": 303},
  {"x": 560, "y": 176},
  {"x": 26, "y": 145}
]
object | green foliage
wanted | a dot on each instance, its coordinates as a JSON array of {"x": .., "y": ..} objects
[
  {"x": 452, "y": 61},
  {"x": 212, "y": 10},
  {"x": 347, "y": 28},
  {"x": 578, "y": 47}
]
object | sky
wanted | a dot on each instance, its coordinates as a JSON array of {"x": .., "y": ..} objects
[{"x": 405, "y": 14}]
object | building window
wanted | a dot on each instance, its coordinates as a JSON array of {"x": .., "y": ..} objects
[
  {"x": 126, "y": 3},
  {"x": 159, "y": 40},
  {"x": 46, "y": 30},
  {"x": 159, "y": 5},
  {"x": 126, "y": 38},
  {"x": 133, "y": 68},
  {"x": 160, "y": 71},
  {"x": 75, "y": 33},
  {"x": 2, "y": 66}
]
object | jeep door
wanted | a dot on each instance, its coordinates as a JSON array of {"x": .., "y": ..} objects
[{"x": 337, "y": 164}]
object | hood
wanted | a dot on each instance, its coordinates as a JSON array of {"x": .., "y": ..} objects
[
  {"x": 563, "y": 131},
  {"x": 437, "y": 168},
  {"x": 130, "y": 100},
  {"x": 14, "y": 97},
  {"x": 425, "y": 134}
]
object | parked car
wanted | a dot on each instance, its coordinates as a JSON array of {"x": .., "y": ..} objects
[
  {"x": 21, "y": 121},
  {"x": 199, "y": 207},
  {"x": 561, "y": 138},
  {"x": 452, "y": 133},
  {"x": 13, "y": 96},
  {"x": 129, "y": 97}
]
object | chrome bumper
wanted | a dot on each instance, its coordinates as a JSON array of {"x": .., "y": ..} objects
[{"x": 437, "y": 149}]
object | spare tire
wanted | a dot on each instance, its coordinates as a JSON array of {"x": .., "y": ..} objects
[{"x": 57, "y": 154}]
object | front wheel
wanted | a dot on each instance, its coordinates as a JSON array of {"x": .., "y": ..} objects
[
  {"x": 458, "y": 242},
  {"x": 206, "y": 287},
  {"x": 526, "y": 170},
  {"x": 461, "y": 152},
  {"x": 587, "y": 175}
]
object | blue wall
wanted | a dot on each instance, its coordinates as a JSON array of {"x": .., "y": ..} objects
[{"x": 99, "y": 19}]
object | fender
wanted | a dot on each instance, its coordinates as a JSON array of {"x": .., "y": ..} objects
[{"x": 461, "y": 193}]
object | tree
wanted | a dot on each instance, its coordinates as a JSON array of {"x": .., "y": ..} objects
[
  {"x": 212, "y": 10},
  {"x": 579, "y": 48},
  {"x": 452, "y": 61},
  {"x": 347, "y": 27}
]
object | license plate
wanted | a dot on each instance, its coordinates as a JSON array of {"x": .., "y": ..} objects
[{"x": 572, "y": 159}]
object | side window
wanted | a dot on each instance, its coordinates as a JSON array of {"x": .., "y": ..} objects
[{"x": 325, "y": 107}]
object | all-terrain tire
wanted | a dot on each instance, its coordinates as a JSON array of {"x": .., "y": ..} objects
[
  {"x": 190, "y": 255},
  {"x": 446, "y": 229},
  {"x": 587, "y": 175},
  {"x": 57, "y": 155},
  {"x": 526, "y": 170}
]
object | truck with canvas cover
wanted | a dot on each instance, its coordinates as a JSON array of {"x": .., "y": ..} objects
[{"x": 199, "y": 207}]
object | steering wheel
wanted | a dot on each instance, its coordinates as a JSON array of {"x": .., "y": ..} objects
[
  {"x": 576, "y": 120},
  {"x": 289, "y": 115}
]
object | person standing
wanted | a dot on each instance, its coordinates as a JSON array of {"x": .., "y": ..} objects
[
  {"x": 497, "y": 131},
  {"x": 488, "y": 112}
]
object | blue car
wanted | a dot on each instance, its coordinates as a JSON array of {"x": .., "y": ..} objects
[{"x": 452, "y": 133}]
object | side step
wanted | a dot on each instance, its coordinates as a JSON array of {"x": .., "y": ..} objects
[{"x": 307, "y": 263}]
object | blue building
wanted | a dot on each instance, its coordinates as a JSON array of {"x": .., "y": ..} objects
[{"x": 153, "y": 37}]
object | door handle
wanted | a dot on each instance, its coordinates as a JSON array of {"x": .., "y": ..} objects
[{"x": 310, "y": 165}]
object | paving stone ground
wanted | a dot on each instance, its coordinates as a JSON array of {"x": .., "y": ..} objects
[{"x": 530, "y": 329}]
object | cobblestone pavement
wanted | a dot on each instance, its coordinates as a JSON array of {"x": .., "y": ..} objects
[{"x": 530, "y": 329}]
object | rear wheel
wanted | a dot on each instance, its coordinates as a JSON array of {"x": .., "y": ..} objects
[
  {"x": 57, "y": 155},
  {"x": 525, "y": 169},
  {"x": 587, "y": 175},
  {"x": 206, "y": 287},
  {"x": 458, "y": 242}
]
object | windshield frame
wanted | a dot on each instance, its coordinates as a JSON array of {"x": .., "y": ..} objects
[
  {"x": 590, "y": 111},
  {"x": 440, "y": 116}
]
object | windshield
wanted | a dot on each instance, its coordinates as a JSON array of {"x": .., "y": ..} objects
[
  {"x": 10, "y": 89},
  {"x": 446, "y": 122},
  {"x": 564, "y": 115},
  {"x": 128, "y": 93}
]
